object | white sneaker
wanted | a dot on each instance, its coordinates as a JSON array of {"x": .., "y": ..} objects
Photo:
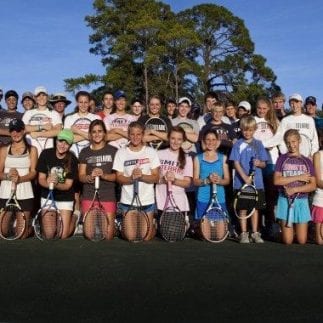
[
  {"x": 256, "y": 237},
  {"x": 244, "y": 237}
]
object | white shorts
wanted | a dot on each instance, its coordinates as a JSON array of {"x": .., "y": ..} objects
[{"x": 61, "y": 205}]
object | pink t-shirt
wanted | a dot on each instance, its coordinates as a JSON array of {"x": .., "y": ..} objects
[{"x": 168, "y": 162}]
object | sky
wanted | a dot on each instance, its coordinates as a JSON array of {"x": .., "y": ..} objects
[{"x": 45, "y": 42}]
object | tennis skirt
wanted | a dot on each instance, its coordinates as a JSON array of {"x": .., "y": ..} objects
[
  {"x": 302, "y": 213},
  {"x": 61, "y": 205},
  {"x": 26, "y": 205},
  {"x": 110, "y": 207},
  {"x": 317, "y": 214}
]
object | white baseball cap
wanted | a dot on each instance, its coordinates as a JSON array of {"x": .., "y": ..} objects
[
  {"x": 185, "y": 99},
  {"x": 245, "y": 104},
  {"x": 40, "y": 89},
  {"x": 296, "y": 97}
]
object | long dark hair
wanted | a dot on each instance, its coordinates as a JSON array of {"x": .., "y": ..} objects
[{"x": 181, "y": 153}]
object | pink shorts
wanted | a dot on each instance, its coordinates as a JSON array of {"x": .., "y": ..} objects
[
  {"x": 317, "y": 214},
  {"x": 110, "y": 207}
]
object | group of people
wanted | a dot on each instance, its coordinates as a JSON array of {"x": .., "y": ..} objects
[{"x": 192, "y": 149}]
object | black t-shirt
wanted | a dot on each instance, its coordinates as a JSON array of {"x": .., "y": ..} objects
[
  {"x": 48, "y": 162},
  {"x": 103, "y": 159}
]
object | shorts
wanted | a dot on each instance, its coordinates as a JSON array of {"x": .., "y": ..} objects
[
  {"x": 261, "y": 203},
  {"x": 26, "y": 205},
  {"x": 61, "y": 205},
  {"x": 302, "y": 213},
  {"x": 201, "y": 208},
  {"x": 146, "y": 208},
  {"x": 110, "y": 207},
  {"x": 317, "y": 214}
]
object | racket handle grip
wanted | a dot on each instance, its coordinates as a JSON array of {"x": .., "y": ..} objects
[
  {"x": 214, "y": 188},
  {"x": 97, "y": 182},
  {"x": 51, "y": 186}
]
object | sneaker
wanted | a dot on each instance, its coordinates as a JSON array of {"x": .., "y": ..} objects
[
  {"x": 244, "y": 237},
  {"x": 256, "y": 237}
]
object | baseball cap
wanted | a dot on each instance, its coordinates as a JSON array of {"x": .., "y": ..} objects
[
  {"x": 185, "y": 99},
  {"x": 310, "y": 99},
  {"x": 27, "y": 94},
  {"x": 245, "y": 104},
  {"x": 11, "y": 93},
  {"x": 67, "y": 135},
  {"x": 296, "y": 97},
  {"x": 40, "y": 89},
  {"x": 119, "y": 94},
  {"x": 16, "y": 125}
]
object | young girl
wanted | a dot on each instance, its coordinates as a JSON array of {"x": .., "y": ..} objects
[
  {"x": 317, "y": 210},
  {"x": 267, "y": 125},
  {"x": 18, "y": 165},
  {"x": 210, "y": 167},
  {"x": 59, "y": 166},
  {"x": 248, "y": 154},
  {"x": 138, "y": 162},
  {"x": 284, "y": 176},
  {"x": 97, "y": 160},
  {"x": 176, "y": 167}
]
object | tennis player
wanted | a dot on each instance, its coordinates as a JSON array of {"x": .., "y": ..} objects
[
  {"x": 302, "y": 214},
  {"x": 60, "y": 166},
  {"x": 138, "y": 162},
  {"x": 97, "y": 160},
  {"x": 248, "y": 155},
  {"x": 176, "y": 167},
  {"x": 18, "y": 164}
]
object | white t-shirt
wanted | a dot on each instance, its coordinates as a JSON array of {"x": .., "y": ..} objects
[
  {"x": 168, "y": 162},
  {"x": 82, "y": 123},
  {"x": 121, "y": 121},
  {"x": 264, "y": 132},
  {"x": 306, "y": 127},
  {"x": 35, "y": 117},
  {"x": 125, "y": 161}
]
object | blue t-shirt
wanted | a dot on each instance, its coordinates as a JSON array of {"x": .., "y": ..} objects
[
  {"x": 245, "y": 153},
  {"x": 207, "y": 168}
]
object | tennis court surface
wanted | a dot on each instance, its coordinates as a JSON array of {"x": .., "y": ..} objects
[{"x": 190, "y": 281}]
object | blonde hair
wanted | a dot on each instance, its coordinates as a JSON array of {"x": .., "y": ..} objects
[
  {"x": 248, "y": 122},
  {"x": 270, "y": 117},
  {"x": 292, "y": 132},
  {"x": 217, "y": 105}
]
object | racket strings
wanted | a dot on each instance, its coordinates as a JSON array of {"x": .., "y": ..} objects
[
  {"x": 134, "y": 225},
  {"x": 12, "y": 223},
  {"x": 95, "y": 224},
  {"x": 50, "y": 225},
  {"x": 173, "y": 226}
]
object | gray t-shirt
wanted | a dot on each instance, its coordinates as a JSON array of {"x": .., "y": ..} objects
[
  {"x": 103, "y": 159},
  {"x": 5, "y": 118}
]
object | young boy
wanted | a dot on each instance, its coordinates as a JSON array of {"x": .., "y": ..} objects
[{"x": 249, "y": 154}]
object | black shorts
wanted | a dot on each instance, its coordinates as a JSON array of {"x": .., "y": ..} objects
[
  {"x": 261, "y": 203},
  {"x": 26, "y": 205}
]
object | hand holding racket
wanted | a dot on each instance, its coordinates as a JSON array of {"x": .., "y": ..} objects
[
  {"x": 173, "y": 223},
  {"x": 48, "y": 223},
  {"x": 214, "y": 224},
  {"x": 12, "y": 218},
  {"x": 95, "y": 223},
  {"x": 135, "y": 223}
]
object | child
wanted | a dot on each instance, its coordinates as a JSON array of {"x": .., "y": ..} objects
[
  {"x": 210, "y": 167},
  {"x": 248, "y": 154},
  {"x": 283, "y": 177}
]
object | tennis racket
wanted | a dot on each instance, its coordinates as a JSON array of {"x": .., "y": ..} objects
[
  {"x": 173, "y": 222},
  {"x": 293, "y": 166},
  {"x": 156, "y": 124},
  {"x": 244, "y": 204},
  {"x": 135, "y": 222},
  {"x": 95, "y": 223},
  {"x": 214, "y": 225},
  {"x": 188, "y": 128},
  {"x": 305, "y": 146},
  {"x": 12, "y": 217},
  {"x": 82, "y": 124},
  {"x": 264, "y": 131},
  {"x": 48, "y": 223}
]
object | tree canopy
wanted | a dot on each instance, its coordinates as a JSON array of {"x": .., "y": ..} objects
[{"x": 148, "y": 49}]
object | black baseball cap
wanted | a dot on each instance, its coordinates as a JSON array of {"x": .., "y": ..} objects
[
  {"x": 11, "y": 93},
  {"x": 310, "y": 99},
  {"x": 16, "y": 125}
]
